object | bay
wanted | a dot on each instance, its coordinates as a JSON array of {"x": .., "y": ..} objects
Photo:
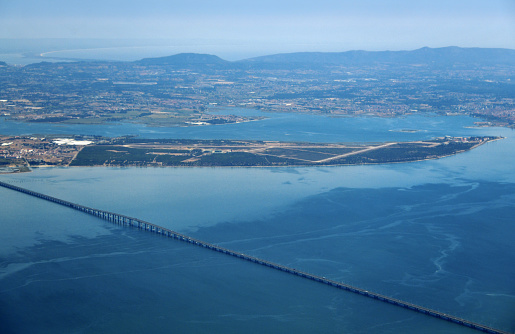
[
  {"x": 436, "y": 233},
  {"x": 275, "y": 126}
]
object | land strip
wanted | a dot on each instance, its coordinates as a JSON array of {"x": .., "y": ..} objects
[
  {"x": 19, "y": 153},
  {"x": 151, "y": 153}
]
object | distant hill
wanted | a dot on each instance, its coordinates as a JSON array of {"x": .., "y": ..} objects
[
  {"x": 448, "y": 56},
  {"x": 185, "y": 59},
  {"x": 438, "y": 56},
  {"x": 45, "y": 64}
]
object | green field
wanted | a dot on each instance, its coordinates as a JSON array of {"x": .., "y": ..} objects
[{"x": 178, "y": 152}]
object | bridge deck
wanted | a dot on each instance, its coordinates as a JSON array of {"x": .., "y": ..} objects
[{"x": 141, "y": 224}]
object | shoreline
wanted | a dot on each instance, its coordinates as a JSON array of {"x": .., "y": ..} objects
[
  {"x": 199, "y": 153},
  {"x": 249, "y": 154},
  {"x": 187, "y": 125},
  {"x": 269, "y": 166},
  {"x": 221, "y": 108}
]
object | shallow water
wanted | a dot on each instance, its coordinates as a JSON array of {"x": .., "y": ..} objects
[
  {"x": 276, "y": 126},
  {"x": 436, "y": 233}
]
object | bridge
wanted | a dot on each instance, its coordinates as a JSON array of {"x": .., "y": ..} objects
[{"x": 143, "y": 225}]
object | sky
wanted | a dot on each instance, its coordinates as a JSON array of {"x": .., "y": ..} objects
[{"x": 270, "y": 26}]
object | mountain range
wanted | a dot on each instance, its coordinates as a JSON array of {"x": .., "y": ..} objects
[{"x": 448, "y": 56}]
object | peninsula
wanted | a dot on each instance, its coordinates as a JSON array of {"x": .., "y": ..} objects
[
  {"x": 19, "y": 153},
  {"x": 185, "y": 152}
]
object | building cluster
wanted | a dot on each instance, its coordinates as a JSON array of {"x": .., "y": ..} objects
[{"x": 32, "y": 151}]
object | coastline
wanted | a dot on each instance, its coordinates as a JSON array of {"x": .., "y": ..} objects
[
  {"x": 314, "y": 164},
  {"x": 251, "y": 154}
]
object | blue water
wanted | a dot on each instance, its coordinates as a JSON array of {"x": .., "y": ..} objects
[
  {"x": 276, "y": 126},
  {"x": 437, "y": 233}
]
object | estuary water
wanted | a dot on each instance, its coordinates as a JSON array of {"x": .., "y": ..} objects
[
  {"x": 437, "y": 233},
  {"x": 275, "y": 126}
]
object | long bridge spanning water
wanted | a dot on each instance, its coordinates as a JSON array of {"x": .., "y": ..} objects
[{"x": 141, "y": 224}]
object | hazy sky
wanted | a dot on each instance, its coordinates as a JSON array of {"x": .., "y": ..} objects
[{"x": 271, "y": 25}]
